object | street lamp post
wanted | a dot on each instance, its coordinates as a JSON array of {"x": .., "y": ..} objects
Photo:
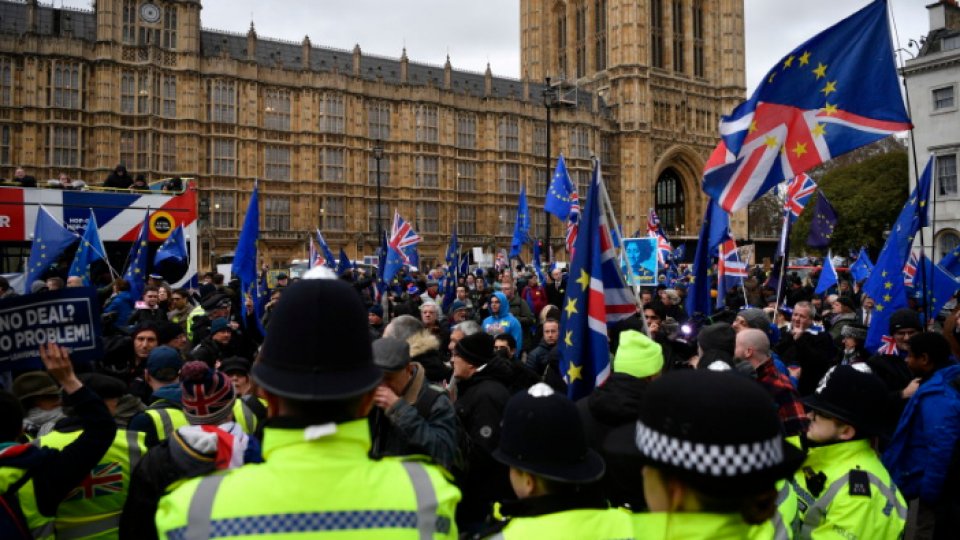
[
  {"x": 378, "y": 155},
  {"x": 548, "y": 102}
]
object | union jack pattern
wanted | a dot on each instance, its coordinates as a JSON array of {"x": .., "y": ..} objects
[
  {"x": 573, "y": 221},
  {"x": 799, "y": 191},
  {"x": 104, "y": 479},
  {"x": 403, "y": 236},
  {"x": 888, "y": 346},
  {"x": 910, "y": 269}
]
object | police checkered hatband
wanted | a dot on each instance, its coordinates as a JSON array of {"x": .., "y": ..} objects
[{"x": 718, "y": 460}]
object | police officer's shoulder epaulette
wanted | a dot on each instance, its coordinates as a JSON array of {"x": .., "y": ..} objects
[{"x": 859, "y": 483}]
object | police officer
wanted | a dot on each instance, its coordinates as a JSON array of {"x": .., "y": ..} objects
[
  {"x": 843, "y": 489},
  {"x": 712, "y": 450},
  {"x": 551, "y": 467},
  {"x": 319, "y": 377}
]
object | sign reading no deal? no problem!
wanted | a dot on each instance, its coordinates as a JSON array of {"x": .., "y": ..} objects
[{"x": 68, "y": 317}]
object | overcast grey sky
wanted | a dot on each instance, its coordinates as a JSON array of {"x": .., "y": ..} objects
[{"x": 474, "y": 33}]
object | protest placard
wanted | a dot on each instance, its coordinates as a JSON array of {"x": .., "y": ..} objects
[{"x": 68, "y": 317}]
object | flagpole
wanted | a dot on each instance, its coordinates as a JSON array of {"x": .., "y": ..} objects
[
  {"x": 784, "y": 257},
  {"x": 608, "y": 208}
]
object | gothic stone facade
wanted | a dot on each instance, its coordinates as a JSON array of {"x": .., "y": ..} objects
[{"x": 141, "y": 83}]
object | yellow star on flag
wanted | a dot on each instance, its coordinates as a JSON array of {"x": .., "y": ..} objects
[
  {"x": 830, "y": 109},
  {"x": 571, "y": 307},
  {"x": 805, "y": 59},
  {"x": 821, "y": 71},
  {"x": 788, "y": 62},
  {"x": 584, "y": 279},
  {"x": 887, "y": 298},
  {"x": 818, "y": 130},
  {"x": 753, "y": 126},
  {"x": 800, "y": 149},
  {"x": 830, "y": 87},
  {"x": 883, "y": 274},
  {"x": 574, "y": 373},
  {"x": 888, "y": 285},
  {"x": 879, "y": 307},
  {"x": 770, "y": 78},
  {"x": 771, "y": 141},
  {"x": 568, "y": 339}
]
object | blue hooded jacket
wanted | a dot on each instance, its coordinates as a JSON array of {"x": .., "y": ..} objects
[
  {"x": 920, "y": 453},
  {"x": 503, "y": 322}
]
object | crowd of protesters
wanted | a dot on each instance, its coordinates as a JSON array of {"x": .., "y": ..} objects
[{"x": 415, "y": 415}]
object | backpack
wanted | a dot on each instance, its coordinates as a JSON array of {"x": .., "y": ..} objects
[
  {"x": 461, "y": 460},
  {"x": 13, "y": 524}
]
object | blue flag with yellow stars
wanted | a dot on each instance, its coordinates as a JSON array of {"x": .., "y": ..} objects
[
  {"x": 521, "y": 229},
  {"x": 861, "y": 268},
  {"x": 834, "y": 93},
  {"x": 91, "y": 250},
  {"x": 943, "y": 286},
  {"x": 173, "y": 249},
  {"x": 823, "y": 222},
  {"x": 951, "y": 261},
  {"x": 538, "y": 263},
  {"x": 448, "y": 285},
  {"x": 915, "y": 213},
  {"x": 596, "y": 296},
  {"x": 828, "y": 275},
  {"x": 136, "y": 273},
  {"x": 50, "y": 240},
  {"x": 712, "y": 231},
  {"x": 560, "y": 194},
  {"x": 885, "y": 286},
  {"x": 244, "y": 265}
]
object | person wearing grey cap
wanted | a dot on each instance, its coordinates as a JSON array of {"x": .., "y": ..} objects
[{"x": 410, "y": 416}]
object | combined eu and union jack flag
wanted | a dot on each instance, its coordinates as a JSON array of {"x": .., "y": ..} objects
[
  {"x": 402, "y": 236},
  {"x": 596, "y": 296},
  {"x": 832, "y": 94},
  {"x": 799, "y": 191},
  {"x": 664, "y": 249},
  {"x": 563, "y": 201},
  {"x": 731, "y": 270}
]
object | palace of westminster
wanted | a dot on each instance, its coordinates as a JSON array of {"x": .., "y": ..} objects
[{"x": 640, "y": 84}]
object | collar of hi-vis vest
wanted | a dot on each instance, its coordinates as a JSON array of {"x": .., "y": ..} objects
[
  {"x": 844, "y": 454},
  {"x": 691, "y": 525},
  {"x": 348, "y": 434}
]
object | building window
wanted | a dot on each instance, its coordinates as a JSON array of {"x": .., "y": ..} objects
[
  {"x": 426, "y": 172},
  {"x": 223, "y": 157},
  {"x": 678, "y": 37},
  {"x": 331, "y": 114},
  {"x": 128, "y": 92},
  {"x": 5, "y": 145},
  {"x": 947, "y": 241},
  {"x": 428, "y": 217},
  {"x": 656, "y": 33},
  {"x": 537, "y": 228},
  {"x": 372, "y": 215},
  {"x": 947, "y": 174},
  {"x": 223, "y": 210},
  {"x": 508, "y": 135},
  {"x": 943, "y": 98},
  {"x": 384, "y": 171},
  {"x": 540, "y": 140},
  {"x": 582, "y": 179},
  {"x": 135, "y": 149},
  {"x": 169, "y": 27},
  {"x": 509, "y": 178},
  {"x": 145, "y": 103},
  {"x": 130, "y": 22},
  {"x": 600, "y": 34},
  {"x": 540, "y": 181},
  {"x": 669, "y": 200},
  {"x": 276, "y": 112},
  {"x": 698, "y": 40},
  {"x": 276, "y": 213},
  {"x": 378, "y": 120},
  {"x": 466, "y": 220},
  {"x": 65, "y": 86},
  {"x": 334, "y": 214},
  {"x": 427, "y": 124},
  {"x": 332, "y": 164},
  {"x": 950, "y": 43},
  {"x": 276, "y": 163},
  {"x": 222, "y": 101},
  {"x": 6, "y": 82},
  {"x": 579, "y": 143},
  {"x": 166, "y": 153},
  {"x": 581, "y": 43},
  {"x": 505, "y": 219},
  {"x": 169, "y": 87},
  {"x": 562, "y": 41},
  {"x": 64, "y": 146},
  {"x": 467, "y": 131},
  {"x": 466, "y": 177}
]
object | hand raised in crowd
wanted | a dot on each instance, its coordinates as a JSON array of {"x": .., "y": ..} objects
[
  {"x": 910, "y": 389},
  {"x": 384, "y": 397},
  {"x": 57, "y": 361}
]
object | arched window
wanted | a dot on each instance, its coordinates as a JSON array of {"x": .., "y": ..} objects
[
  {"x": 669, "y": 200},
  {"x": 947, "y": 241}
]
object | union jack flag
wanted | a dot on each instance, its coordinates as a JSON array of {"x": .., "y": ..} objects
[
  {"x": 104, "y": 479},
  {"x": 810, "y": 108},
  {"x": 730, "y": 264},
  {"x": 573, "y": 221},
  {"x": 653, "y": 223},
  {"x": 402, "y": 236},
  {"x": 799, "y": 191},
  {"x": 910, "y": 269},
  {"x": 664, "y": 249},
  {"x": 596, "y": 296},
  {"x": 888, "y": 346}
]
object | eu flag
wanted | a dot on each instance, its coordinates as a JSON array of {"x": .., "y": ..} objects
[
  {"x": 596, "y": 296},
  {"x": 537, "y": 263},
  {"x": 861, "y": 268},
  {"x": 448, "y": 290},
  {"x": 560, "y": 194},
  {"x": 823, "y": 222},
  {"x": 828, "y": 275},
  {"x": 174, "y": 248},
  {"x": 136, "y": 273},
  {"x": 832, "y": 94},
  {"x": 712, "y": 232},
  {"x": 343, "y": 263},
  {"x": 943, "y": 286},
  {"x": 91, "y": 250},
  {"x": 328, "y": 259},
  {"x": 50, "y": 239},
  {"x": 951, "y": 261},
  {"x": 521, "y": 229},
  {"x": 885, "y": 286},
  {"x": 245, "y": 258}
]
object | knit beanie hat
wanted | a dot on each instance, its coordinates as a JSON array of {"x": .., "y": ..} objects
[
  {"x": 638, "y": 355},
  {"x": 208, "y": 395},
  {"x": 905, "y": 318},
  {"x": 477, "y": 349}
]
